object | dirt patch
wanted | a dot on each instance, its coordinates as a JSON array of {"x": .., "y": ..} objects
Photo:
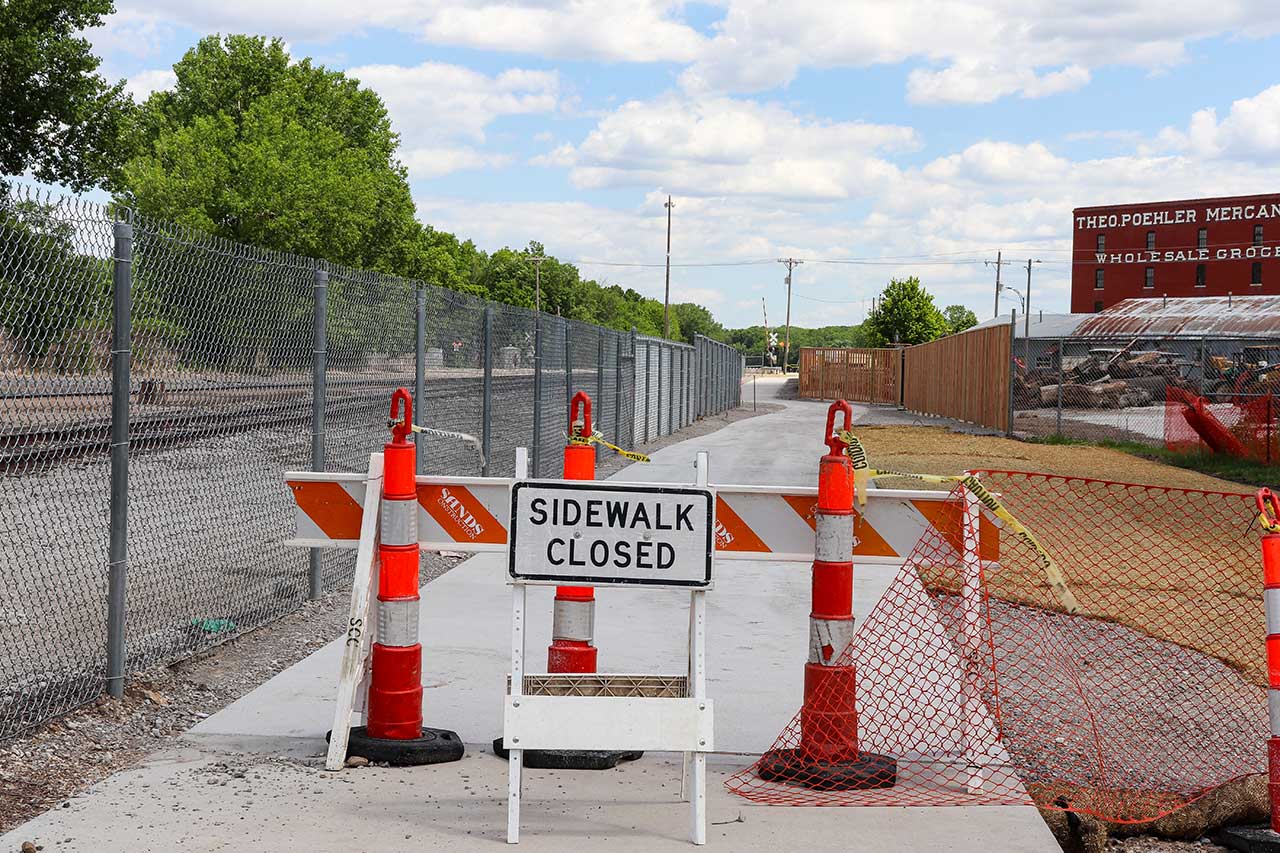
[{"x": 938, "y": 450}]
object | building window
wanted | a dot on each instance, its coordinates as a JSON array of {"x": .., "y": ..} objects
[
  {"x": 1150, "y": 280},
  {"x": 1097, "y": 279},
  {"x": 1256, "y": 277},
  {"x": 1102, "y": 242},
  {"x": 1097, "y": 306},
  {"x": 1257, "y": 235},
  {"x": 1200, "y": 271},
  {"x": 1151, "y": 239},
  {"x": 1202, "y": 241}
]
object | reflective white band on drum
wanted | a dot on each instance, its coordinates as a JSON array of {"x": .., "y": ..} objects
[
  {"x": 1273, "y": 710},
  {"x": 573, "y": 620},
  {"x": 834, "y": 542},
  {"x": 399, "y": 522},
  {"x": 828, "y": 640},
  {"x": 1271, "y": 597},
  {"x": 398, "y": 622}
]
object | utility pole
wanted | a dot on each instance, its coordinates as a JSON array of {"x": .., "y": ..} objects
[
  {"x": 998, "y": 263},
  {"x": 786, "y": 347},
  {"x": 537, "y": 282},
  {"x": 1026, "y": 316},
  {"x": 666, "y": 298}
]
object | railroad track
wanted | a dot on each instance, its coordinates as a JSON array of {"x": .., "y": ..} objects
[
  {"x": 24, "y": 448},
  {"x": 193, "y": 412}
]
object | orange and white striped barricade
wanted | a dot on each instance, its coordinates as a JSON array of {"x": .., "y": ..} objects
[
  {"x": 472, "y": 515},
  {"x": 393, "y": 732},
  {"x": 828, "y": 756},
  {"x": 629, "y": 547}
]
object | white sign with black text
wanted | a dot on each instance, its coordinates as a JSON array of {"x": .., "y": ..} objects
[{"x": 602, "y": 534}]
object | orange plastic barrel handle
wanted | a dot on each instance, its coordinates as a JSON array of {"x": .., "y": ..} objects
[
  {"x": 833, "y": 438},
  {"x": 1269, "y": 510},
  {"x": 401, "y": 426},
  {"x": 581, "y": 400}
]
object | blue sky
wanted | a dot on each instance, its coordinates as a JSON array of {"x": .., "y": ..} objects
[{"x": 871, "y": 139}]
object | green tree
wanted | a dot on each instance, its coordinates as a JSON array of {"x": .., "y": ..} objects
[
  {"x": 284, "y": 155},
  {"x": 905, "y": 314},
  {"x": 60, "y": 117},
  {"x": 959, "y": 318},
  {"x": 692, "y": 319}
]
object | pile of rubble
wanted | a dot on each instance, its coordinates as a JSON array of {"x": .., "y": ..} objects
[{"x": 1098, "y": 382}]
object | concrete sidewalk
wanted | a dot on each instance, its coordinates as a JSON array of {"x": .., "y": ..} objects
[{"x": 250, "y": 775}]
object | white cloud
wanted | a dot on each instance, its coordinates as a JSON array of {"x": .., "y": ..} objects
[
  {"x": 977, "y": 50},
  {"x": 607, "y": 30},
  {"x": 142, "y": 84},
  {"x": 719, "y": 146},
  {"x": 434, "y": 106},
  {"x": 973, "y": 51},
  {"x": 424, "y": 163},
  {"x": 1250, "y": 130},
  {"x": 439, "y": 101}
]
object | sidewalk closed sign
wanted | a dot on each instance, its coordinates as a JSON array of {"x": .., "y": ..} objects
[{"x": 593, "y": 533}]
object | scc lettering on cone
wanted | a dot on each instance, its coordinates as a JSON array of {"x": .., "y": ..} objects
[
  {"x": 828, "y": 757},
  {"x": 393, "y": 732},
  {"x": 573, "y": 618}
]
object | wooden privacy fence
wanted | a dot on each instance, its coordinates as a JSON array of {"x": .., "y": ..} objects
[
  {"x": 859, "y": 375},
  {"x": 964, "y": 376}
]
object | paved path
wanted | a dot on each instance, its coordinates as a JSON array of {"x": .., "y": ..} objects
[{"x": 229, "y": 787}]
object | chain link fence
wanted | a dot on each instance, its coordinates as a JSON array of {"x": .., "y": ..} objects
[
  {"x": 1211, "y": 393},
  {"x": 237, "y": 364}
]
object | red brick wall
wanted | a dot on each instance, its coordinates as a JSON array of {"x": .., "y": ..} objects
[{"x": 1228, "y": 257}]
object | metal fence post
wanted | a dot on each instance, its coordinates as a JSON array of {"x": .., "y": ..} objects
[
  {"x": 599, "y": 382},
  {"x": 319, "y": 364},
  {"x": 568, "y": 375},
  {"x": 1013, "y": 373},
  {"x": 1061, "y": 353},
  {"x": 537, "y": 394},
  {"x": 487, "y": 394},
  {"x": 647, "y": 374},
  {"x": 118, "y": 554},
  {"x": 617, "y": 393},
  {"x": 657, "y": 398},
  {"x": 420, "y": 374},
  {"x": 635, "y": 402}
]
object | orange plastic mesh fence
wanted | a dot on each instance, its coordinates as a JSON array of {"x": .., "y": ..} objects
[
  {"x": 1242, "y": 425},
  {"x": 1144, "y": 699}
]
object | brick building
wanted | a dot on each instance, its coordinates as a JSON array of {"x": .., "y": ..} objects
[{"x": 1198, "y": 247}]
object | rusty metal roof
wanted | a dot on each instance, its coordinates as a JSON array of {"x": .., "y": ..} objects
[{"x": 1223, "y": 316}]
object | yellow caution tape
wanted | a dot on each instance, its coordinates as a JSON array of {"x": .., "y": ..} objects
[
  {"x": 1057, "y": 581},
  {"x": 597, "y": 438},
  {"x": 861, "y": 467}
]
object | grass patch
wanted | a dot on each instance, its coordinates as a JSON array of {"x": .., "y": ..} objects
[{"x": 1244, "y": 471}]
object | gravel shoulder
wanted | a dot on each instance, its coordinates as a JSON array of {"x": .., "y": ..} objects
[{"x": 44, "y": 768}]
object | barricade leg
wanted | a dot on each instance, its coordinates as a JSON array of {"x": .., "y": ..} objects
[
  {"x": 828, "y": 757},
  {"x": 574, "y": 616},
  {"x": 393, "y": 732}
]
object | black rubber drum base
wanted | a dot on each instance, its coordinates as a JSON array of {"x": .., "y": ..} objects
[
  {"x": 866, "y": 772},
  {"x": 436, "y": 746},
  {"x": 568, "y": 759}
]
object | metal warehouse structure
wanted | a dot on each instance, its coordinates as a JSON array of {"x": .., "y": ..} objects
[{"x": 1196, "y": 316}]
